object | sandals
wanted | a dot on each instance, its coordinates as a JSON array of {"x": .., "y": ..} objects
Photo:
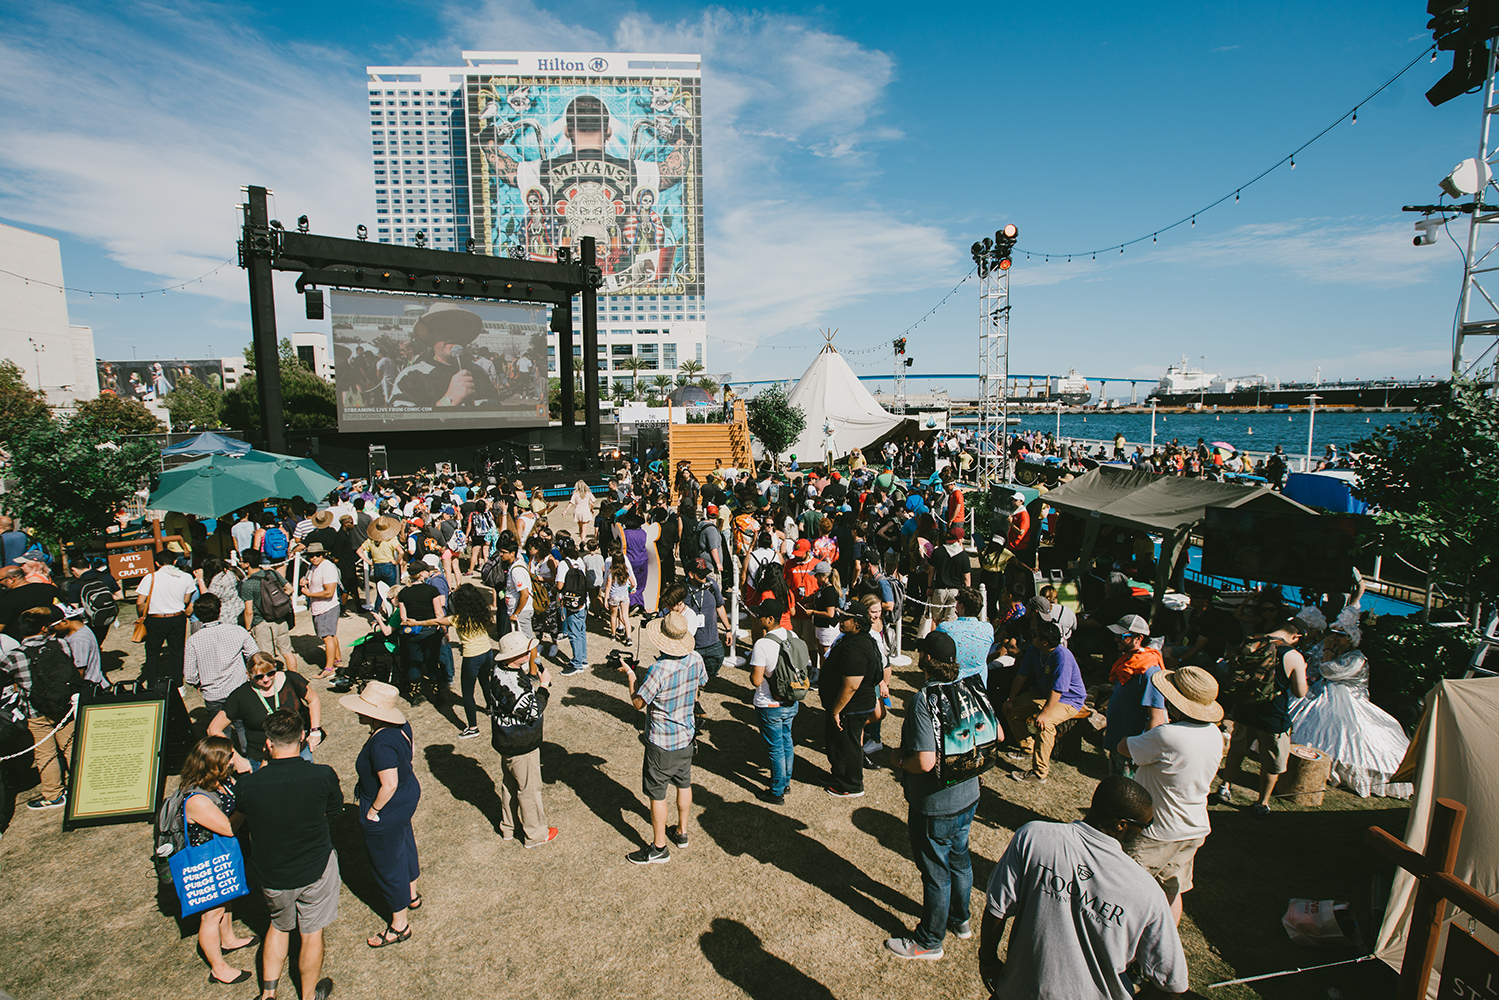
[
  {"x": 416, "y": 902},
  {"x": 384, "y": 939}
]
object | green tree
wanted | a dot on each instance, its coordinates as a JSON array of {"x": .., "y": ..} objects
[
  {"x": 775, "y": 420},
  {"x": 1434, "y": 485},
  {"x": 661, "y": 384},
  {"x": 635, "y": 366},
  {"x": 72, "y": 475},
  {"x": 119, "y": 414},
  {"x": 689, "y": 371},
  {"x": 21, "y": 406},
  {"x": 194, "y": 405},
  {"x": 307, "y": 400},
  {"x": 708, "y": 385}
]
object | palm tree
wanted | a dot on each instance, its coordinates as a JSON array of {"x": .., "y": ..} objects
[
  {"x": 689, "y": 372},
  {"x": 662, "y": 384},
  {"x": 635, "y": 365}
]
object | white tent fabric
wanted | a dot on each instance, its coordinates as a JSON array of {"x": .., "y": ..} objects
[
  {"x": 835, "y": 400},
  {"x": 1452, "y": 757}
]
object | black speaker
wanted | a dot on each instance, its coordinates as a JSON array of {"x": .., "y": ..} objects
[{"x": 314, "y": 303}]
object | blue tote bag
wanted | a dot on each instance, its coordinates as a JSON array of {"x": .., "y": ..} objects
[{"x": 209, "y": 875}]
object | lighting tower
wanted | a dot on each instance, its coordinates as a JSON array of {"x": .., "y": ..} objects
[
  {"x": 901, "y": 364},
  {"x": 992, "y": 258}
]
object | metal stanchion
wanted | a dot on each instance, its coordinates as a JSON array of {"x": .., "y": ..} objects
[
  {"x": 734, "y": 659},
  {"x": 898, "y": 658},
  {"x": 298, "y": 602}
]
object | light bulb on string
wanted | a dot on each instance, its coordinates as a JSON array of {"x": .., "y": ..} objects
[
  {"x": 1194, "y": 222},
  {"x": 1293, "y": 163},
  {"x": 1236, "y": 197},
  {"x": 1355, "y": 117},
  {"x": 1152, "y": 237}
]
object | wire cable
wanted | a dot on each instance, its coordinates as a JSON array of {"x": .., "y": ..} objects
[{"x": 90, "y": 292}]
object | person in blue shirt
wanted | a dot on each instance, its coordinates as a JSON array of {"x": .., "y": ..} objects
[
  {"x": 1057, "y": 694},
  {"x": 971, "y": 636}
]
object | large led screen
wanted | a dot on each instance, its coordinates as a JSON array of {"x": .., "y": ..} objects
[
  {"x": 412, "y": 362},
  {"x": 618, "y": 158},
  {"x": 153, "y": 379}
]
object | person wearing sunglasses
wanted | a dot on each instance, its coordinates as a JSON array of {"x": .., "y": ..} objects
[{"x": 1084, "y": 910}]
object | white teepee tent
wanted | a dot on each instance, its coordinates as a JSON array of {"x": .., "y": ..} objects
[{"x": 837, "y": 405}]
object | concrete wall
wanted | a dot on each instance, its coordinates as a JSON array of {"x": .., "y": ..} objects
[{"x": 35, "y": 314}]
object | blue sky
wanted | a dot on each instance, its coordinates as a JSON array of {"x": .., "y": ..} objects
[{"x": 853, "y": 152}]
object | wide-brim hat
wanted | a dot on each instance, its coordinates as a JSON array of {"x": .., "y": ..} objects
[
  {"x": 670, "y": 635},
  {"x": 383, "y": 528},
  {"x": 447, "y": 322},
  {"x": 1192, "y": 691},
  {"x": 513, "y": 645},
  {"x": 322, "y": 519},
  {"x": 377, "y": 701}
]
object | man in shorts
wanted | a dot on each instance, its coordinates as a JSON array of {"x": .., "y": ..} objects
[
  {"x": 1176, "y": 763},
  {"x": 270, "y": 637},
  {"x": 668, "y": 693},
  {"x": 286, "y": 805},
  {"x": 1267, "y": 724},
  {"x": 320, "y": 587}
]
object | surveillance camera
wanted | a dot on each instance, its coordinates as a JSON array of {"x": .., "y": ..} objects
[{"x": 1426, "y": 231}]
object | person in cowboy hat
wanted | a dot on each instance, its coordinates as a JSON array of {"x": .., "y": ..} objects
[
  {"x": 388, "y": 794},
  {"x": 382, "y": 554},
  {"x": 320, "y": 587},
  {"x": 440, "y": 376},
  {"x": 667, "y": 693},
  {"x": 519, "y": 694},
  {"x": 1176, "y": 764}
]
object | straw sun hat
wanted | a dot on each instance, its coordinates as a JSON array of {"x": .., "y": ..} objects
[
  {"x": 377, "y": 701},
  {"x": 1192, "y": 691},
  {"x": 383, "y": 528},
  {"x": 670, "y": 635}
]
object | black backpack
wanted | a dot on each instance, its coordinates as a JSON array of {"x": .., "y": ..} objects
[
  {"x": 691, "y": 543},
  {"x": 274, "y": 605},
  {"x": 493, "y": 573},
  {"x": 98, "y": 603},
  {"x": 54, "y": 678},
  {"x": 574, "y": 589}
]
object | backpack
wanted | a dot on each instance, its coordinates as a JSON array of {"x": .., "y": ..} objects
[
  {"x": 493, "y": 573},
  {"x": 273, "y": 605},
  {"x": 691, "y": 544},
  {"x": 516, "y": 719},
  {"x": 792, "y": 677},
  {"x": 169, "y": 834},
  {"x": 966, "y": 728},
  {"x": 98, "y": 603},
  {"x": 54, "y": 678},
  {"x": 574, "y": 589},
  {"x": 1252, "y": 666},
  {"x": 274, "y": 544}
]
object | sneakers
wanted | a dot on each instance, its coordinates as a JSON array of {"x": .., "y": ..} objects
[
  {"x": 324, "y": 989},
  {"x": 772, "y": 798},
  {"x": 469, "y": 733},
  {"x": 1027, "y": 777},
  {"x": 676, "y": 836},
  {"x": 906, "y": 948},
  {"x": 1223, "y": 796},
  {"x": 962, "y": 931},
  {"x": 649, "y": 855},
  {"x": 844, "y": 795},
  {"x": 570, "y": 670},
  {"x": 552, "y": 832},
  {"x": 48, "y": 803},
  {"x": 1261, "y": 810},
  {"x": 872, "y": 747}
]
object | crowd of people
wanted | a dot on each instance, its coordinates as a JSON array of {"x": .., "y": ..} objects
[{"x": 838, "y": 571}]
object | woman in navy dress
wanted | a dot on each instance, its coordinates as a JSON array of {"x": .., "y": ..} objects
[{"x": 388, "y": 794}]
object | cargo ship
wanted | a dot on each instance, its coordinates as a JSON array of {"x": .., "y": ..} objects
[
  {"x": 1184, "y": 385},
  {"x": 1069, "y": 390}
]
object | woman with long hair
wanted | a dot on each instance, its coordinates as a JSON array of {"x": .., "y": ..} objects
[
  {"x": 208, "y": 782},
  {"x": 482, "y": 534},
  {"x": 584, "y": 509},
  {"x": 620, "y": 586},
  {"x": 222, "y": 579},
  {"x": 473, "y": 618}
]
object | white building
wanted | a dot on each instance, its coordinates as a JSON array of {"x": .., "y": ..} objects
[
  {"x": 312, "y": 350},
  {"x": 489, "y": 155},
  {"x": 56, "y": 356}
]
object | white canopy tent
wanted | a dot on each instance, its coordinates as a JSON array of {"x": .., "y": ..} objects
[
  {"x": 837, "y": 405},
  {"x": 1452, "y": 757}
]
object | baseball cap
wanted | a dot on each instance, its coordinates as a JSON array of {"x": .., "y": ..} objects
[
  {"x": 823, "y": 567},
  {"x": 803, "y": 546},
  {"x": 940, "y": 647},
  {"x": 701, "y": 563},
  {"x": 1017, "y": 495},
  {"x": 432, "y": 561},
  {"x": 837, "y": 476},
  {"x": 1132, "y": 624},
  {"x": 712, "y": 510},
  {"x": 1039, "y": 604},
  {"x": 854, "y": 612},
  {"x": 955, "y": 532}
]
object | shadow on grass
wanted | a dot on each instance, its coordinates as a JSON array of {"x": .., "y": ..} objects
[
  {"x": 606, "y": 798},
  {"x": 354, "y": 868},
  {"x": 619, "y": 708},
  {"x": 465, "y": 779},
  {"x": 773, "y": 838},
  {"x": 1300, "y": 853},
  {"x": 736, "y": 954}
]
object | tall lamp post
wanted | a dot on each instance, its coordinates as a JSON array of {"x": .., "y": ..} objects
[
  {"x": 1152, "y": 427},
  {"x": 1311, "y": 426},
  {"x": 992, "y": 259}
]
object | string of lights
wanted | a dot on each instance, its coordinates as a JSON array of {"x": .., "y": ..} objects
[
  {"x": 1350, "y": 116},
  {"x": 91, "y": 293}
]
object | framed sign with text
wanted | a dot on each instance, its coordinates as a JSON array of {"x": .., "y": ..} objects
[
  {"x": 1470, "y": 968},
  {"x": 118, "y": 773}
]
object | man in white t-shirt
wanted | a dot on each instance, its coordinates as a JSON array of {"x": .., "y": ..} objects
[
  {"x": 775, "y": 717},
  {"x": 243, "y": 533},
  {"x": 164, "y": 598},
  {"x": 1176, "y": 765},
  {"x": 1084, "y": 910},
  {"x": 320, "y": 586},
  {"x": 517, "y": 588}
]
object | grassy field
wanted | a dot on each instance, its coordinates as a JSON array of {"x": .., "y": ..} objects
[{"x": 775, "y": 903}]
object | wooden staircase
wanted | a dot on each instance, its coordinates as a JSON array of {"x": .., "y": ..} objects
[{"x": 702, "y": 444}]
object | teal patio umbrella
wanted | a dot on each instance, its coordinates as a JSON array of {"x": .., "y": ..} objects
[
  {"x": 213, "y": 487},
  {"x": 291, "y": 477}
]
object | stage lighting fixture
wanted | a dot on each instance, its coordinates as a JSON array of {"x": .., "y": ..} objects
[
  {"x": 303, "y": 225},
  {"x": 469, "y": 246},
  {"x": 276, "y": 225},
  {"x": 909, "y": 361},
  {"x": 421, "y": 239},
  {"x": 362, "y": 233},
  {"x": 1004, "y": 263}
]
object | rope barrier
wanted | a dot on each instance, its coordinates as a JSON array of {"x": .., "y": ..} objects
[{"x": 44, "y": 739}]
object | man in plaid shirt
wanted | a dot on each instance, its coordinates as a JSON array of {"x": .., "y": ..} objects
[
  {"x": 668, "y": 693},
  {"x": 214, "y": 658}
]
